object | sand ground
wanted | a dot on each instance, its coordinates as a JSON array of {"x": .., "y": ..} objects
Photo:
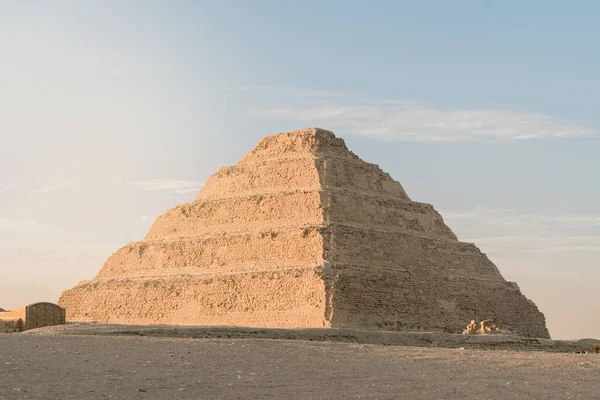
[{"x": 55, "y": 366}]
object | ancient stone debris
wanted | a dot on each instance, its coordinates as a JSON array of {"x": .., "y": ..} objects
[
  {"x": 471, "y": 328},
  {"x": 303, "y": 233},
  {"x": 485, "y": 327}
]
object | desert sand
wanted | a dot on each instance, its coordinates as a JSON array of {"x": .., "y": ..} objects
[{"x": 54, "y": 365}]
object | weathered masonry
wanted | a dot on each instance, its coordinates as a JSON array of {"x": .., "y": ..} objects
[{"x": 303, "y": 233}]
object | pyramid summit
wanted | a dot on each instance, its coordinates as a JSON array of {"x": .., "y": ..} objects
[{"x": 302, "y": 233}]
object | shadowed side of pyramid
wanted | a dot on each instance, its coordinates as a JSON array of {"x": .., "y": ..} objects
[
  {"x": 397, "y": 281},
  {"x": 302, "y": 233}
]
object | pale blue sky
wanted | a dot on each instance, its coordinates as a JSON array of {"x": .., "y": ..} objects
[{"x": 111, "y": 112}]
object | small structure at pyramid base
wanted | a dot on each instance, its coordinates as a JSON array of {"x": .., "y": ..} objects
[
  {"x": 302, "y": 233},
  {"x": 486, "y": 327},
  {"x": 36, "y": 315}
]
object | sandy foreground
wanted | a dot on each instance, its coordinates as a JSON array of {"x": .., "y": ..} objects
[{"x": 58, "y": 366}]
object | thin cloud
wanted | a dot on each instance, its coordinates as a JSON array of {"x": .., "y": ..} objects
[
  {"x": 414, "y": 121},
  {"x": 291, "y": 91},
  {"x": 503, "y": 231},
  {"x": 508, "y": 217},
  {"x": 180, "y": 187},
  {"x": 55, "y": 186},
  {"x": 543, "y": 244},
  {"x": 23, "y": 226}
]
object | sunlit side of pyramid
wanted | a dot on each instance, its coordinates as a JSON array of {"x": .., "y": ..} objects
[{"x": 303, "y": 233}]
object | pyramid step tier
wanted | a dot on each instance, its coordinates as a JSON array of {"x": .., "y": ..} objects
[
  {"x": 225, "y": 251},
  {"x": 206, "y": 273},
  {"x": 307, "y": 297},
  {"x": 297, "y": 144},
  {"x": 350, "y": 245},
  {"x": 311, "y": 207},
  {"x": 289, "y": 298},
  {"x": 284, "y": 174},
  {"x": 218, "y": 251}
]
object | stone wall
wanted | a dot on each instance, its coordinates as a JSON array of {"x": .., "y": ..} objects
[
  {"x": 35, "y": 315},
  {"x": 38, "y": 315}
]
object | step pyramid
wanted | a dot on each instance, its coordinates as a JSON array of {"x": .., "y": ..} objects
[{"x": 302, "y": 233}]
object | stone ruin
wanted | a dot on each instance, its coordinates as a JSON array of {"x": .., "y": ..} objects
[
  {"x": 36, "y": 315},
  {"x": 302, "y": 233},
  {"x": 12, "y": 321}
]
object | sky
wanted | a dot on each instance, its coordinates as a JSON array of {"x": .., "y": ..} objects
[{"x": 112, "y": 112}]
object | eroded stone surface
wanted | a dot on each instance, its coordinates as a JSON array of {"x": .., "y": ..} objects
[{"x": 303, "y": 233}]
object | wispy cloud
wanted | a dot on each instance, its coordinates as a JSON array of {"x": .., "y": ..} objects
[
  {"x": 514, "y": 218},
  {"x": 291, "y": 91},
  {"x": 20, "y": 225},
  {"x": 502, "y": 231},
  {"x": 415, "y": 121},
  {"x": 55, "y": 186},
  {"x": 544, "y": 244},
  {"x": 180, "y": 187}
]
